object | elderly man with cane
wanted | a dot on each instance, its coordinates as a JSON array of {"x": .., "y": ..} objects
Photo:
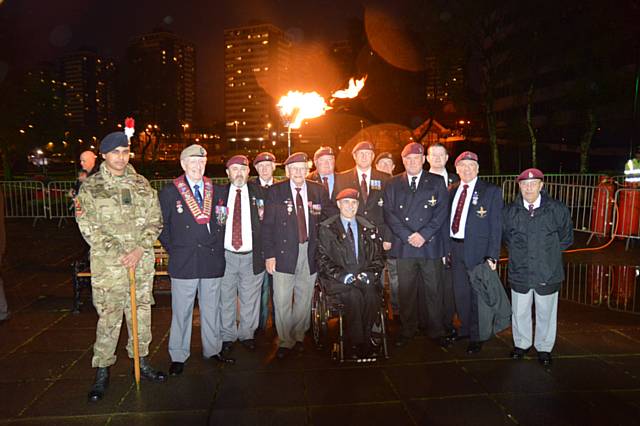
[{"x": 119, "y": 216}]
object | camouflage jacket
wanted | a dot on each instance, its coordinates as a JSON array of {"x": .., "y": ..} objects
[{"x": 117, "y": 213}]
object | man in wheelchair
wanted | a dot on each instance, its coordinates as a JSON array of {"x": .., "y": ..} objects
[{"x": 350, "y": 262}]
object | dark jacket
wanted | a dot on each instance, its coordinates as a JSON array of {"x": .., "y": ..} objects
[
  {"x": 194, "y": 251},
  {"x": 535, "y": 244},
  {"x": 424, "y": 211},
  {"x": 483, "y": 229},
  {"x": 315, "y": 177},
  {"x": 280, "y": 226},
  {"x": 371, "y": 209},
  {"x": 494, "y": 309},
  {"x": 333, "y": 255},
  {"x": 257, "y": 196}
]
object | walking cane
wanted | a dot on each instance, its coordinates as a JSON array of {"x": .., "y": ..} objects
[{"x": 134, "y": 326}]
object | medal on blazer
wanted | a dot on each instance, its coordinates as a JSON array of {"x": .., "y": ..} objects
[
  {"x": 474, "y": 198},
  {"x": 289, "y": 205},
  {"x": 481, "y": 212},
  {"x": 202, "y": 216},
  {"x": 375, "y": 184},
  {"x": 179, "y": 208},
  {"x": 314, "y": 209},
  {"x": 259, "y": 203},
  {"x": 432, "y": 201},
  {"x": 222, "y": 212}
]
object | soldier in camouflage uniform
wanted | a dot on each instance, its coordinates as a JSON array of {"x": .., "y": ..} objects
[{"x": 119, "y": 216}]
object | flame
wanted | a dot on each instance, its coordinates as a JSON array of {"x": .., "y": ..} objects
[
  {"x": 355, "y": 86},
  {"x": 298, "y": 106}
]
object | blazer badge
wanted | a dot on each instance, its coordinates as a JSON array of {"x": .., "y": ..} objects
[{"x": 481, "y": 212}]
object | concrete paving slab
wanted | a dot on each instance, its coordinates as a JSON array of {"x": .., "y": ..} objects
[
  {"x": 468, "y": 411},
  {"x": 348, "y": 385},
  {"x": 432, "y": 380},
  {"x": 384, "y": 414},
  {"x": 273, "y": 416}
]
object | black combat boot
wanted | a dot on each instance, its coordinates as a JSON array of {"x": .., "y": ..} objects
[
  {"x": 149, "y": 373},
  {"x": 100, "y": 386}
]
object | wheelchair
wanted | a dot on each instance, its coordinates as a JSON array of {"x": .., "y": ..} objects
[{"x": 325, "y": 307}]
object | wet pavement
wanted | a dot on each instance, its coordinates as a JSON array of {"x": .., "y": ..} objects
[{"x": 45, "y": 354}]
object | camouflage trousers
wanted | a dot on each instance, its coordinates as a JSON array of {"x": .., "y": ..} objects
[{"x": 111, "y": 298}]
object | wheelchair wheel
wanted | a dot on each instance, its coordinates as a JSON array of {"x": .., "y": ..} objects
[{"x": 318, "y": 317}]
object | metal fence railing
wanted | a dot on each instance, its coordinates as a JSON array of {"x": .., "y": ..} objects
[
  {"x": 24, "y": 199},
  {"x": 564, "y": 179},
  {"x": 60, "y": 199}
]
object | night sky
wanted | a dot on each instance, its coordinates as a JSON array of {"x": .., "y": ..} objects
[{"x": 42, "y": 30}]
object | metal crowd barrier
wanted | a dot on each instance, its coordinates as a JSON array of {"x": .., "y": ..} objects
[
  {"x": 24, "y": 199},
  {"x": 60, "y": 194},
  {"x": 563, "y": 179},
  {"x": 627, "y": 215}
]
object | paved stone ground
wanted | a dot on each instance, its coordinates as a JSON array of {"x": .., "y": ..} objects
[{"x": 45, "y": 370}]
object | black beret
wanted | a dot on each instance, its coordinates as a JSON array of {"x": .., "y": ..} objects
[{"x": 112, "y": 141}]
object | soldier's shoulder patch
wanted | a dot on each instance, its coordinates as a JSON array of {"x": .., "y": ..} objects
[{"x": 78, "y": 207}]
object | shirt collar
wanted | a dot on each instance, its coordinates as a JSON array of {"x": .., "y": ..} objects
[
  {"x": 536, "y": 203},
  {"x": 293, "y": 185},
  {"x": 418, "y": 176},
  {"x": 192, "y": 184}
]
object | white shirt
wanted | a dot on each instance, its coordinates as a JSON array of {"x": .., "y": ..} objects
[
  {"x": 367, "y": 178},
  {"x": 200, "y": 190},
  {"x": 536, "y": 203},
  {"x": 265, "y": 183},
  {"x": 444, "y": 174},
  {"x": 410, "y": 178},
  {"x": 245, "y": 217},
  {"x": 305, "y": 201},
  {"x": 465, "y": 209}
]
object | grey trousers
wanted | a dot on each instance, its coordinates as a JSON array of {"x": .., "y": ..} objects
[
  {"x": 183, "y": 295},
  {"x": 240, "y": 284},
  {"x": 392, "y": 269},
  {"x": 292, "y": 295},
  {"x": 546, "y": 308}
]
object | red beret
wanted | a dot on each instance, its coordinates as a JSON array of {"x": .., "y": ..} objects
[
  {"x": 467, "y": 155},
  {"x": 363, "y": 145},
  {"x": 323, "y": 150},
  {"x": 412, "y": 148},
  {"x": 296, "y": 157},
  {"x": 384, "y": 155},
  {"x": 347, "y": 193},
  {"x": 264, "y": 156},
  {"x": 530, "y": 174},
  {"x": 238, "y": 159}
]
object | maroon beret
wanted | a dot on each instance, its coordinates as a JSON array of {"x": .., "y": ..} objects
[
  {"x": 467, "y": 155},
  {"x": 363, "y": 145},
  {"x": 384, "y": 155},
  {"x": 296, "y": 157},
  {"x": 323, "y": 150},
  {"x": 412, "y": 148},
  {"x": 264, "y": 156},
  {"x": 238, "y": 159},
  {"x": 347, "y": 193},
  {"x": 530, "y": 174}
]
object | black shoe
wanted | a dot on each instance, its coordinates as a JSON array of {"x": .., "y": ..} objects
[
  {"x": 445, "y": 342},
  {"x": 402, "y": 341},
  {"x": 474, "y": 347},
  {"x": 299, "y": 347},
  {"x": 250, "y": 344},
  {"x": 544, "y": 358},
  {"x": 176, "y": 368},
  {"x": 223, "y": 359},
  {"x": 282, "y": 353},
  {"x": 518, "y": 353},
  {"x": 149, "y": 373},
  {"x": 100, "y": 385},
  {"x": 227, "y": 346}
]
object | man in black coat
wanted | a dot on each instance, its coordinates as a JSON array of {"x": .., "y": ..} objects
[
  {"x": 350, "y": 263},
  {"x": 369, "y": 183},
  {"x": 325, "y": 161},
  {"x": 415, "y": 209},
  {"x": 293, "y": 210},
  {"x": 537, "y": 229},
  {"x": 193, "y": 236},
  {"x": 475, "y": 230},
  {"x": 244, "y": 270}
]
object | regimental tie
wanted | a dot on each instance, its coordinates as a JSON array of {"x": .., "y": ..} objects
[
  {"x": 236, "y": 225},
  {"x": 531, "y": 210},
  {"x": 455, "y": 226},
  {"x": 302, "y": 224},
  {"x": 363, "y": 187},
  {"x": 197, "y": 195},
  {"x": 352, "y": 241},
  {"x": 325, "y": 183},
  {"x": 413, "y": 186}
]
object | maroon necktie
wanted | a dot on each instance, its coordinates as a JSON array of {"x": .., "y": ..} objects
[
  {"x": 302, "y": 224},
  {"x": 325, "y": 183},
  {"x": 363, "y": 187},
  {"x": 531, "y": 210},
  {"x": 236, "y": 226},
  {"x": 455, "y": 226}
]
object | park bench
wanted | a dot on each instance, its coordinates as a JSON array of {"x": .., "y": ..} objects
[{"x": 81, "y": 278}]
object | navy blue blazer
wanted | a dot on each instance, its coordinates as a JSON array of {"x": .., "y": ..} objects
[
  {"x": 372, "y": 208},
  {"x": 280, "y": 226},
  {"x": 194, "y": 252},
  {"x": 257, "y": 194},
  {"x": 483, "y": 229},
  {"x": 424, "y": 211}
]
